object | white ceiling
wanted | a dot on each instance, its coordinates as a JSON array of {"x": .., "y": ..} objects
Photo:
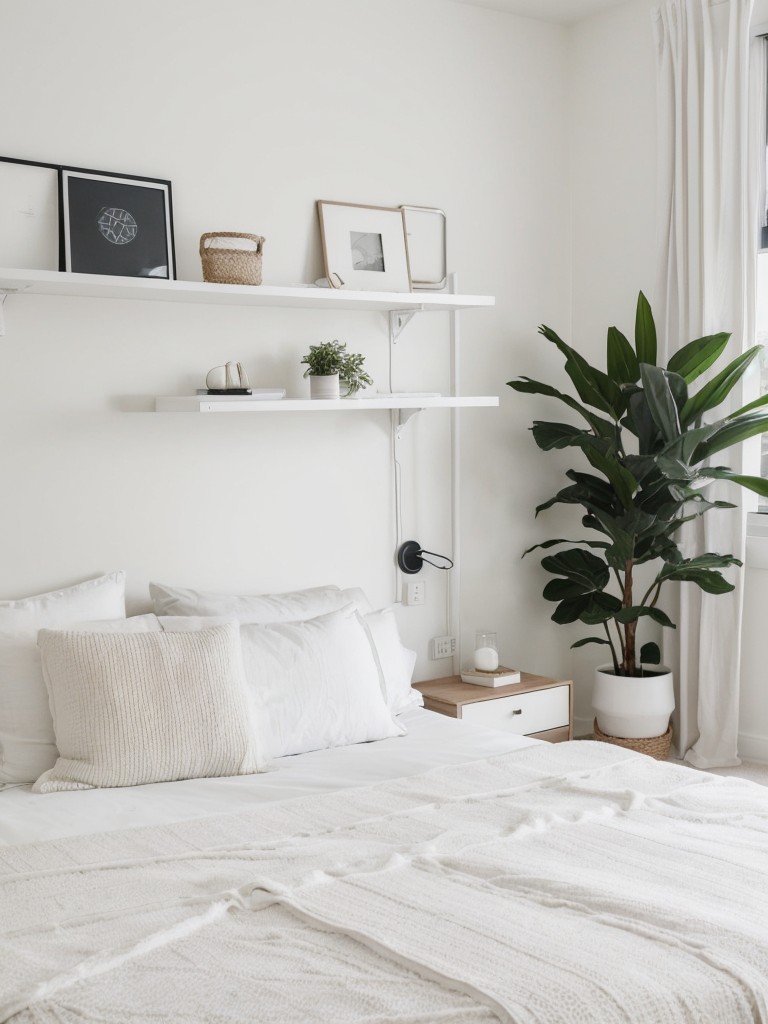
[{"x": 564, "y": 11}]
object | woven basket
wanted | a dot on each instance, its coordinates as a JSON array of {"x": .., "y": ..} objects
[
  {"x": 222, "y": 265},
  {"x": 654, "y": 746}
]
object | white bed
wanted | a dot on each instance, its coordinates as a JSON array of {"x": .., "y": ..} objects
[
  {"x": 432, "y": 740},
  {"x": 439, "y": 874},
  {"x": 453, "y": 875}
]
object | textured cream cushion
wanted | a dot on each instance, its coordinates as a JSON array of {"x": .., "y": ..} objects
[
  {"x": 315, "y": 684},
  {"x": 27, "y": 745},
  {"x": 295, "y": 606},
  {"x": 133, "y": 708}
]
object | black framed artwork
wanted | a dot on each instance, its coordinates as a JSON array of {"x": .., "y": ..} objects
[{"x": 116, "y": 224}]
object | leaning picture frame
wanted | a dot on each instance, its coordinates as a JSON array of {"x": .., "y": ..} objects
[
  {"x": 364, "y": 247},
  {"x": 29, "y": 214},
  {"x": 115, "y": 224},
  {"x": 426, "y": 238}
]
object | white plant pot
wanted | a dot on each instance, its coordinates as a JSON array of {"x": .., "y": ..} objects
[
  {"x": 324, "y": 386},
  {"x": 633, "y": 708}
]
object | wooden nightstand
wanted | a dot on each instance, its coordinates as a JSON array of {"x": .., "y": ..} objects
[{"x": 536, "y": 706}]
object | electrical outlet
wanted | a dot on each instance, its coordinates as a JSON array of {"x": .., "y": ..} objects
[
  {"x": 414, "y": 592},
  {"x": 443, "y": 647}
]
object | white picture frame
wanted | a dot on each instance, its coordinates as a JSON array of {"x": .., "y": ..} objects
[
  {"x": 364, "y": 247},
  {"x": 426, "y": 238},
  {"x": 29, "y": 215}
]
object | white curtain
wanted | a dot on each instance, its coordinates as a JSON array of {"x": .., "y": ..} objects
[{"x": 711, "y": 80}]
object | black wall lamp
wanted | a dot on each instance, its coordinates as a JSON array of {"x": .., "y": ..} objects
[{"x": 410, "y": 558}]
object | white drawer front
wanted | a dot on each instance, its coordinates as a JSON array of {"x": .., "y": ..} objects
[{"x": 524, "y": 714}]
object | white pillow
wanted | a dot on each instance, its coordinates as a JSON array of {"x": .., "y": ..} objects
[
  {"x": 27, "y": 745},
  {"x": 397, "y": 662},
  {"x": 294, "y": 606},
  {"x": 315, "y": 684},
  {"x": 135, "y": 708}
]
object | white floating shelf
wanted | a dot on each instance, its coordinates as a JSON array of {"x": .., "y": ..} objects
[
  {"x": 199, "y": 403},
  {"x": 99, "y": 286}
]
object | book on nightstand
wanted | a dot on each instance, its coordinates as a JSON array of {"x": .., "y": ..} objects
[{"x": 501, "y": 676}]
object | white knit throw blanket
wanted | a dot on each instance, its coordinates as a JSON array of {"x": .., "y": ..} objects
[{"x": 558, "y": 885}]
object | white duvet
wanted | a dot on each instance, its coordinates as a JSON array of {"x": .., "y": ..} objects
[{"x": 556, "y": 885}]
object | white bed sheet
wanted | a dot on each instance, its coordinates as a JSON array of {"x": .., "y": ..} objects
[{"x": 432, "y": 740}]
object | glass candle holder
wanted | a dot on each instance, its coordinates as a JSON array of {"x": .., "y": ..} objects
[{"x": 486, "y": 652}]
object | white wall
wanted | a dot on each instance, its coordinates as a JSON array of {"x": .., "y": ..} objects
[{"x": 255, "y": 110}]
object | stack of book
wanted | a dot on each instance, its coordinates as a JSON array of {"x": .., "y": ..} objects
[{"x": 501, "y": 676}]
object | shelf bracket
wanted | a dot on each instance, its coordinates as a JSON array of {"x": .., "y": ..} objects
[
  {"x": 398, "y": 321},
  {"x": 403, "y": 418}
]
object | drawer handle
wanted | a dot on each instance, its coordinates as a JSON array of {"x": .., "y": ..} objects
[{"x": 517, "y": 711}]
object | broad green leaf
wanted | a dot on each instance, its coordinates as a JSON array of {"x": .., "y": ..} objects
[
  {"x": 650, "y": 654},
  {"x": 642, "y": 467},
  {"x": 733, "y": 432},
  {"x": 589, "y": 491},
  {"x": 641, "y": 611},
  {"x": 556, "y": 435},
  {"x": 710, "y": 580},
  {"x": 640, "y": 422},
  {"x": 570, "y": 611},
  {"x": 593, "y": 386},
  {"x": 552, "y": 543},
  {"x": 624, "y": 484},
  {"x": 580, "y": 566},
  {"x": 591, "y": 609},
  {"x": 757, "y": 404},
  {"x": 591, "y": 640},
  {"x": 645, "y": 332},
  {"x": 565, "y": 590},
  {"x": 674, "y": 469},
  {"x": 661, "y": 400},
  {"x": 701, "y": 570},
  {"x": 683, "y": 447},
  {"x": 697, "y": 356},
  {"x": 594, "y": 493},
  {"x": 601, "y": 608},
  {"x": 718, "y": 389},
  {"x": 527, "y": 386},
  {"x": 621, "y": 360},
  {"x": 758, "y": 484}
]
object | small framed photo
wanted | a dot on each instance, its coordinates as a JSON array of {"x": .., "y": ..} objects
[
  {"x": 29, "y": 214},
  {"x": 116, "y": 224},
  {"x": 364, "y": 247}
]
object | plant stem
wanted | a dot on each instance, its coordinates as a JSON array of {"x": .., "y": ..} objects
[
  {"x": 631, "y": 627},
  {"x": 613, "y": 649},
  {"x": 621, "y": 638}
]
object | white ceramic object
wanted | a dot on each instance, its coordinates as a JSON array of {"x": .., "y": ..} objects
[
  {"x": 633, "y": 708},
  {"x": 227, "y": 377},
  {"x": 216, "y": 379},
  {"x": 324, "y": 385}
]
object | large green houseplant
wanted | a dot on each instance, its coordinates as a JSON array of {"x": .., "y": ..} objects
[{"x": 649, "y": 451}]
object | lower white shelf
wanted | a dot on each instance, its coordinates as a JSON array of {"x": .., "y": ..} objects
[{"x": 200, "y": 403}]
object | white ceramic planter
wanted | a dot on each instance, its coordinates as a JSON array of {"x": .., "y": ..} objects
[
  {"x": 633, "y": 708},
  {"x": 324, "y": 386}
]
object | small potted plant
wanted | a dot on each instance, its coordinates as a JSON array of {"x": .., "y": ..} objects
[
  {"x": 648, "y": 450},
  {"x": 330, "y": 367}
]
